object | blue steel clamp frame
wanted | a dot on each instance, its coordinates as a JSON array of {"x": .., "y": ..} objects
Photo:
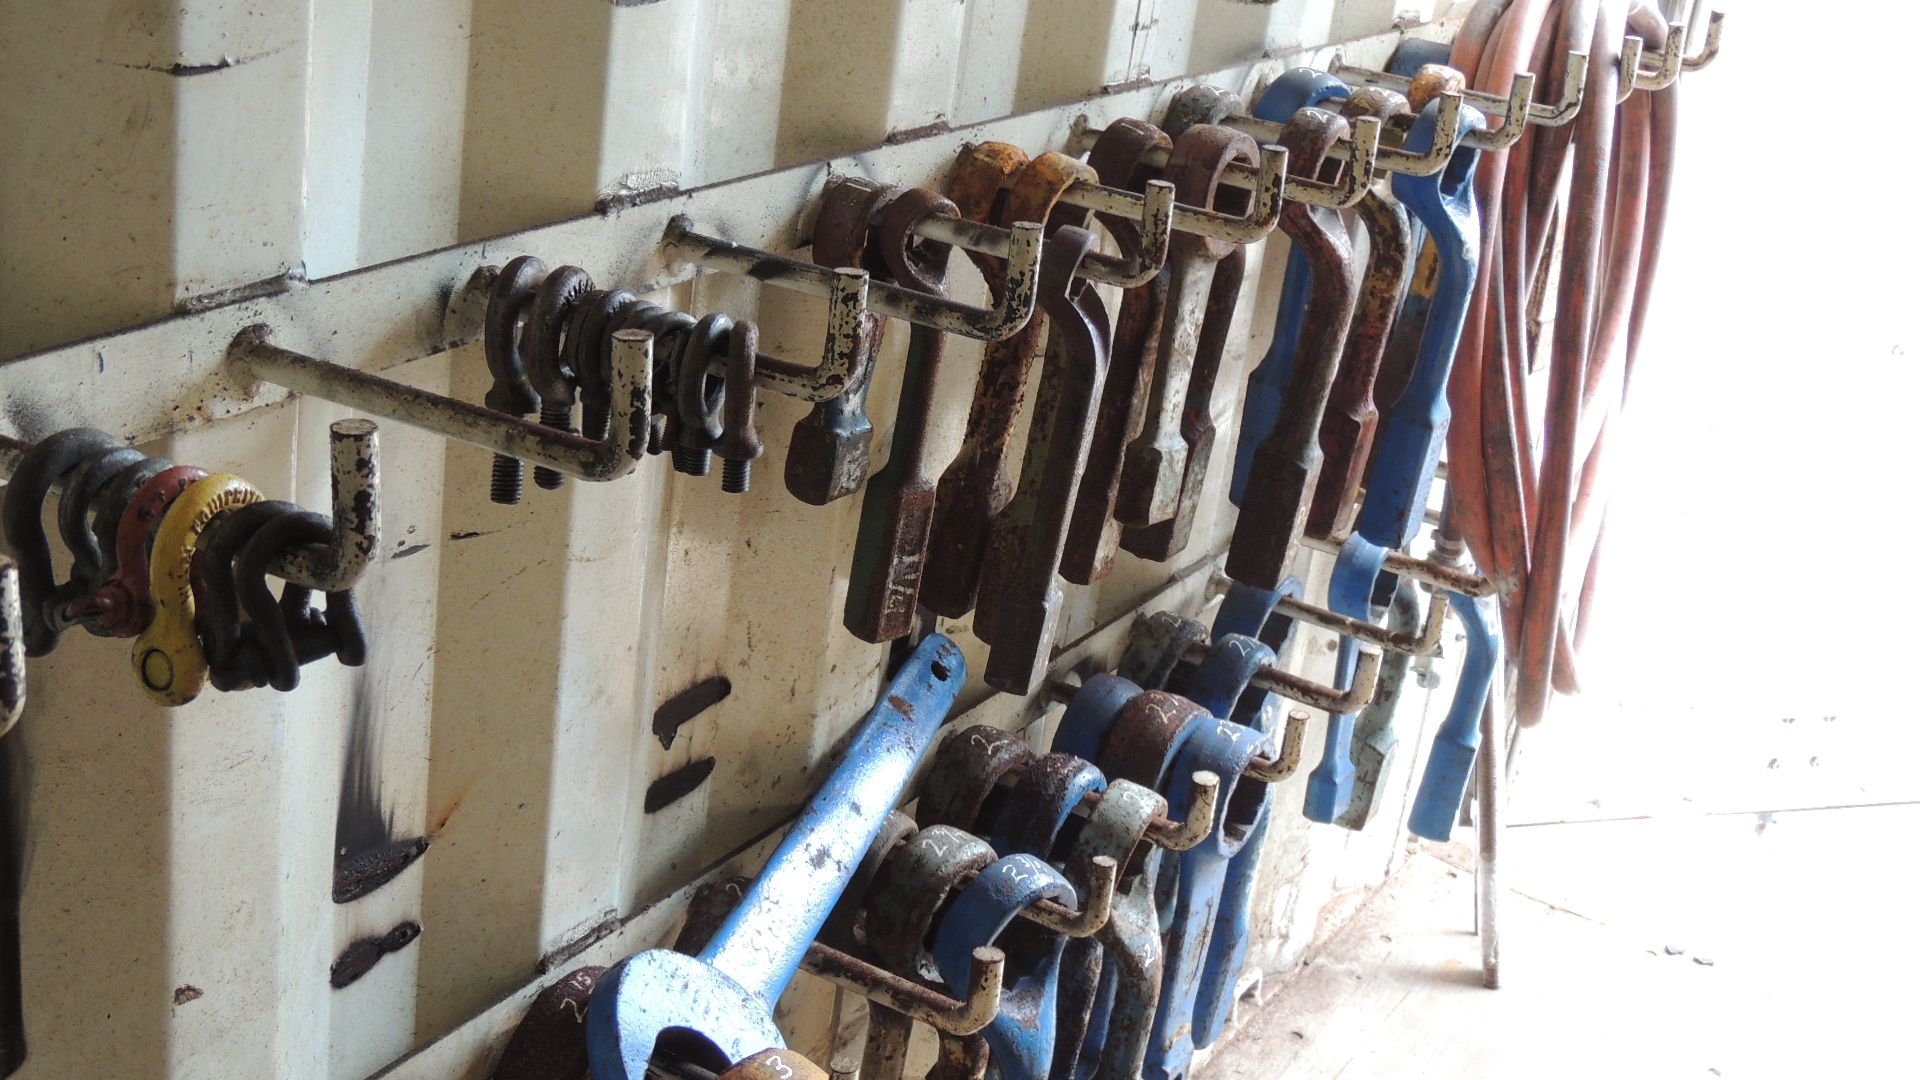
[
  {"x": 1349, "y": 592},
  {"x": 1225, "y": 748},
  {"x": 1436, "y": 805},
  {"x": 987, "y": 913},
  {"x": 717, "y": 1008},
  {"x": 1414, "y": 431},
  {"x": 1296, "y": 89}
]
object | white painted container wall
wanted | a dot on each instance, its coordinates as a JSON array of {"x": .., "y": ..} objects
[{"x": 159, "y": 158}]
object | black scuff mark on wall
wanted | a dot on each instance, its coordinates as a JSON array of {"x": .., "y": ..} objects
[{"x": 678, "y": 784}]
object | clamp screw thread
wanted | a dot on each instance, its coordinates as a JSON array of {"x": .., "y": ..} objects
[
  {"x": 558, "y": 416},
  {"x": 508, "y": 480},
  {"x": 736, "y": 476}
]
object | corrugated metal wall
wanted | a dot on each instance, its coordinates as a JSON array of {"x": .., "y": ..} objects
[{"x": 159, "y": 157}]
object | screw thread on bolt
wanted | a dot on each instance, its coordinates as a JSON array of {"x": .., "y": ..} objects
[
  {"x": 736, "y": 476},
  {"x": 595, "y": 420},
  {"x": 560, "y": 417},
  {"x": 508, "y": 480}
]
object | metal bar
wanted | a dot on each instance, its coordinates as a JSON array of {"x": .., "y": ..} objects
[
  {"x": 1451, "y": 578},
  {"x": 1672, "y": 57},
  {"x": 1391, "y": 158},
  {"x": 1709, "y": 49},
  {"x": 909, "y": 998},
  {"x": 1327, "y": 698},
  {"x": 1361, "y": 152},
  {"x": 1422, "y": 643},
  {"x": 1155, "y": 210},
  {"x": 1268, "y": 184},
  {"x": 1572, "y": 92},
  {"x": 1001, "y": 321},
  {"x": 589, "y": 459}
]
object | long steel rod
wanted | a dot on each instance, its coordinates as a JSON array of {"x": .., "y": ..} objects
[{"x": 588, "y": 459}]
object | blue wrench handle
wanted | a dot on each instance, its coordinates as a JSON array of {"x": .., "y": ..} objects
[
  {"x": 727, "y": 993},
  {"x": 1415, "y": 429},
  {"x": 1226, "y": 749},
  {"x": 1021, "y": 1034},
  {"x": 1436, "y": 806},
  {"x": 1294, "y": 90},
  {"x": 1330, "y": 785},
  {"x": 1220, "y": 686}
]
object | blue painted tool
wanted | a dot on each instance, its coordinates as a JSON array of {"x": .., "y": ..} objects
[
  {"x": 1136, "y": 736},
  {"x": 717, "y": 1008},
  {"x": 987, "y": 913},
  {"x": 1091, "y": 711},
  {"x": 1037, "y": 818},
  {"x": 1374, "y": 741},
  {"x": 1413, "y": 433},
  {"x": 1220, "y": 686},
  {"x": 1436, "y": 805},
  {"x": 1244, "y": 611},
  {"x": 1226, "y": 749},
  {"x": 1416, "y": 428},
  {"x": 1294, "y": 90},
  {"x": 1349, "y": 590}
]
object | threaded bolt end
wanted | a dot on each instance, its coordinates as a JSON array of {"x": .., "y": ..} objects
[
  {"x": 692, "y": 462},
  {"x": 560, "y": 417},
  {"x": 509, "y": 479},
  {"x": 595, "y": 420},
  {"x": 736, "y": 476}
]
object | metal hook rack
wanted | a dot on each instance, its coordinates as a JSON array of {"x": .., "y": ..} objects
[
  {"x": 1671, "y": 57},
  {"x": 1446, "y": 136},
  {"x": 1710, "y": 48},
  {"x": 1427, "y": 572},
  {"x": 985, "y": 977},
  {"x": 1355, "y": 180},
  {"x": 354, "y": 483},
  {"x": 255, "y": 357},
  {"x": 848, "y": 287},
  {"x": 1518, "y": 101},
  {"x": 1155, "y": 211},
  {"x": 1268, "y": 184}
]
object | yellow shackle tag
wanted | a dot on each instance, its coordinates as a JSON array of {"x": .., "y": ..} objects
[{"x": 168, "y": 661}]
